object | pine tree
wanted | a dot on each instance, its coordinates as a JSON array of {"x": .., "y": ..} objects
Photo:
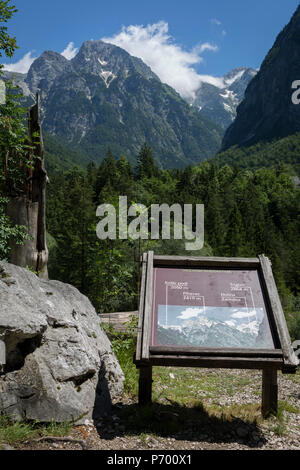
[
  {"x": 234, "y": 241},
  {"x": 215, "y": 229},
  {"x": 125, "y": 177},
  {"x": 146, "y": 167},
  {"x": 106, "y": 175},
  {"x": 91, "y": 174}
]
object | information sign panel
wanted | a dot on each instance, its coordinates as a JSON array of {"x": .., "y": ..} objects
[{"x": 210, "y": 308}]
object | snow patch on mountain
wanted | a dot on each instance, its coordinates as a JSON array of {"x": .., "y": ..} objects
[
  {"x": 107, "y": 76},
  {"x": 228, "y": 108},
  {"x": 228, "y": 94}
]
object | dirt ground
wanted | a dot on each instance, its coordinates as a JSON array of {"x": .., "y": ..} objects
[{"x": 221, "y": 418}]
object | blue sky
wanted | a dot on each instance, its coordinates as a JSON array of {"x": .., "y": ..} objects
[{"x": 222, "y": 34}]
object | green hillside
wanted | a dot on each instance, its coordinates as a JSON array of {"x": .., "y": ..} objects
[{"x": 285, "y": 151}]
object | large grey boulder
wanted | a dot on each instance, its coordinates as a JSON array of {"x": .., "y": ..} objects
[{"x": 59, "y": 362}]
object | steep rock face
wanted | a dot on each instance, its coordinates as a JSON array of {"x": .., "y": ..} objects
[
  {"x": 267, "y": 111},
  {"x": 59, "y": 362},
  {"x": 219, "y": 103},
  {"x": 105, "y": 98}
]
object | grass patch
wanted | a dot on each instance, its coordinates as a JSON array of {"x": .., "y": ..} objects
[
  {"x": 17, "y": 432},
  {"x": 250, "y": 412},
  {"x": 279, "y": 425},
  {"x": 56, "y": 429},
  {"x": 285, "y": 406},
  {"x": 125, "y": 359},
  {"x": 124, "y": 345},
  {"x": 13, "y": 433},
  {"x": 185, "y": 385},
  {"x": 279, "y": 422},
  {"x": 279, "y": 429}
]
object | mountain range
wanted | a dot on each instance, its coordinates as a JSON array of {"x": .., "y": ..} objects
[{"x": 105, "y": 98}]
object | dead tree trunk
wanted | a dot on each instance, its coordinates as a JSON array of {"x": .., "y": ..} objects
[{"x": 29, "y": 209}]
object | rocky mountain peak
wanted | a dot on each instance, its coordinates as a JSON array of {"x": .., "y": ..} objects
[
  {"x": 108, "y": 61},
  {"x": 233, "y": 75},
  {"x": 45, "y": 69},
  {"x": 219, "y": 101}
]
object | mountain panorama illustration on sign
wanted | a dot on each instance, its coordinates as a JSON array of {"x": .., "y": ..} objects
[{"x": 209, "y": 308}]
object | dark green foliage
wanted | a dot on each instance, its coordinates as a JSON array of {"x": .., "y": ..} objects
[
  {"x": 7, "y": 231},
  {"x": 283, "y": 154},
  {"x": 146, "y": 167},
  {"x": 14, "y": 145},
  {"x": 7, "y": 43},
  {"x": 106, "y": 175},
  {"x": 59, "y": 157}
]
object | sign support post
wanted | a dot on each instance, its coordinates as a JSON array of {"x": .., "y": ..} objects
[
  {"x": 269, "y": 393},
  {"x": 145, "y": 385}
]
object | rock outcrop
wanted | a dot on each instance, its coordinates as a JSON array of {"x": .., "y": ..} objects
[
  {"x": 59, "y": 362},
  {"x": 268, "y": 111}
]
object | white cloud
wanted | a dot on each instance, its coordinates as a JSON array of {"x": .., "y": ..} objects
[
  {"x": 70, "y": 51},
  {"x": 22, "y": 66},
  {"x": 173, "y": 64},
  {"x": 190, "y": 312}
]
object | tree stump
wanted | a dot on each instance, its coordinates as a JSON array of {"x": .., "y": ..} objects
[{"x": 29, "y": 208}]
